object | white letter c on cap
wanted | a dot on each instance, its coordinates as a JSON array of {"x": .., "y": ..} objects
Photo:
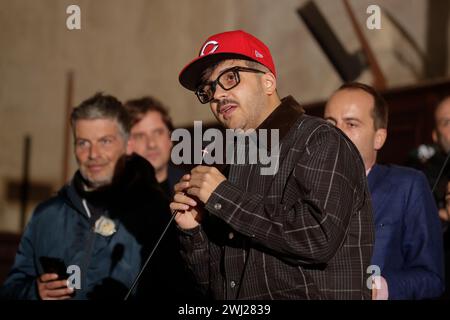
[{"x": 212, "y": 42}]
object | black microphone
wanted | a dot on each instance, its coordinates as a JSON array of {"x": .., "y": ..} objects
[{"x": 174, "y": 213}]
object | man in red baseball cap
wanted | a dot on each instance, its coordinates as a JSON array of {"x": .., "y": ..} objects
[
  {"x": 304, "y": 232},
  {"x": 227, "y": 45}
]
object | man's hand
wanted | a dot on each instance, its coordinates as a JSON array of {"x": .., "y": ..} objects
[
  {"x": 380, "y": 289},
  {"x": 204, "y": 180},
  {"x": 50, "y": 288},
  {"x": 444, "y": 214},
  {"x": 190, "y": 214}
]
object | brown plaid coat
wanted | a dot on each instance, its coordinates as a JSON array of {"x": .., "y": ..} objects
[{"x": 304, "y": 233}]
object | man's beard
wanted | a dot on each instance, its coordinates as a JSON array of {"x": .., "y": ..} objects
[
  {"x": 95, "y": 184},
  {"x": 444, "y": 145}
]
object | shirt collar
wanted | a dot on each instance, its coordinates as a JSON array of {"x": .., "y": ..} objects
[{"x": 283, "y": 117}]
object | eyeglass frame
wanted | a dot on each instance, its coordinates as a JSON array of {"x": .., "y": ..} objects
[{"x": 214, "y": 83}]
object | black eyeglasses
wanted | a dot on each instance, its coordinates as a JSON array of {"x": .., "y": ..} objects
[{"x": 227, "y": 80}]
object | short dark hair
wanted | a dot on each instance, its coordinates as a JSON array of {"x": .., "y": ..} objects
[
  {"x": 380, "y": 111},
  {"x": 102, "y": 106},
  {"x": 137, "y": 108}
]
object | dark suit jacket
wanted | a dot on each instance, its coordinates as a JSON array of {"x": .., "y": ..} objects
[{"x": 408, "y": 238}]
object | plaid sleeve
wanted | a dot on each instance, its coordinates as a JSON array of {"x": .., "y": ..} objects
[
  {"x": 194, "y": 250},
  {"x": 311, "y": 222}
]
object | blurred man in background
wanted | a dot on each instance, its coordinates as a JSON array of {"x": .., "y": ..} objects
[
  {"x": 433, "y": 167},
  {"x": 437, "y": 170},
  {"x": 151, "y": 127},
  {"x": 408, "y": 244},
  {"x": 103, "y": 224}
]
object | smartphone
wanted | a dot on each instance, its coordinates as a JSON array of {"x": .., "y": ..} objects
[{"x": 54, "y": 265}]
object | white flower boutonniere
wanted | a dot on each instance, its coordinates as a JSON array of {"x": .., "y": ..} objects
[
  {"x": 425, "y": 152},
  {"x": 105, "y": 226}
]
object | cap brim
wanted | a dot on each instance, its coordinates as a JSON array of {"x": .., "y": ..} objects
[{"x": 190, "y": 76}]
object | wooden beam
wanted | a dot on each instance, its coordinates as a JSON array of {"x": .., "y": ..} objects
[
  {"x": 67, "y": 130},
  {"x": 25, "y": 185},
  {"x": 379, "y": 81}
]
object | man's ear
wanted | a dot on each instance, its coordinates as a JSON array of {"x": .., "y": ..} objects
[
  {"x": 380, "y": 138},
  {"x": 269, "y": 83},
  {"x": 434, "y": 136}
]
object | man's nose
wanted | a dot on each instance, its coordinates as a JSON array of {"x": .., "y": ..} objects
[
  {"x": 93, "y": 151},
  {"x": 220, "y": 93},
  {"x": 151, "y": 141}
]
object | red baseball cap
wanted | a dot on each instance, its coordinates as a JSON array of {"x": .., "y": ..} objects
[{"x": 227, "y": 45}]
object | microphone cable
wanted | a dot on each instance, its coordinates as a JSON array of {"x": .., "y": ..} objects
[
  {"x": 174, "y": 213},
  {"x": 441, "y": 172},
  {"x": 136, "y": 280}
]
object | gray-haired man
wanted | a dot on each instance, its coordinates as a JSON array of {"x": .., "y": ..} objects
[{"x": 98, "y": 227}]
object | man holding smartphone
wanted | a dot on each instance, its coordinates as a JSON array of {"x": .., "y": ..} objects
[{"x": 103, "y": 223}]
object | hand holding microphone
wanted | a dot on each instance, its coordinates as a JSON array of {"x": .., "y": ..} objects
[
  {"x": 187, "y": 211},
  {"x": 192, "y": 192}
]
